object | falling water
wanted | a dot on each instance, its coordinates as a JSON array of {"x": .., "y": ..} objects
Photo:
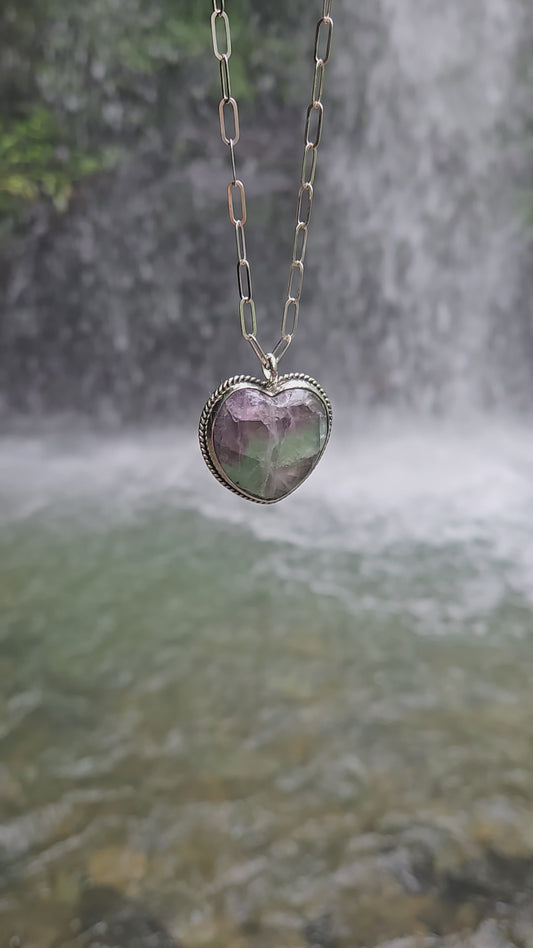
[
  {"x": 426, "y": 274},
  {"x": 418, "y": 290}
]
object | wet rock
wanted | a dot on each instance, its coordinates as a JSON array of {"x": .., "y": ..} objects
[
  {"x": 115, "y": 866},
  {"x": 11, "y": 793},
  {"x": 320, "y": 933},
  {"x": 414, "y": 942},
  {"x": 504, "y": 828},
  {"x": 455, "y": 873},
  {"x": 521, "y": 928},
  {"x": 420, "y": 855},
  {"x": 491, "y": 877},
  {"x": 212, "y": 932},
  {"x": 108, "y": 920},
  {"x": 488, "y": 935}
]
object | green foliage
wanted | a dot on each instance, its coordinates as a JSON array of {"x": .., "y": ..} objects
[
  {"x": 35, "y": 163},
  {"x": 83, "y": 80}
]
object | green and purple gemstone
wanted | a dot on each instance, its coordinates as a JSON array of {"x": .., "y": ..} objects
[{"x": 263, "y": 440}]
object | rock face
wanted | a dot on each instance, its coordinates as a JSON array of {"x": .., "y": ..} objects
[
  {"x": 268, "y": 444},
  {"x": 417, "y": 253}
]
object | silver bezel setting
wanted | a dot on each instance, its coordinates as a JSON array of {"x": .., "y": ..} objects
[{"x": 272, "y": 388}]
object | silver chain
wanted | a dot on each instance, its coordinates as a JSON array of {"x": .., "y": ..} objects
[{"x": 228, "y": 111}]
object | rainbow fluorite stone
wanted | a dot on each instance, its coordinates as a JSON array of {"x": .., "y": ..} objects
[{"x": 267, "y": 444}]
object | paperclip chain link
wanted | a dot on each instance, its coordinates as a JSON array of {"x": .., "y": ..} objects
[{"x": 230, "y": 133}]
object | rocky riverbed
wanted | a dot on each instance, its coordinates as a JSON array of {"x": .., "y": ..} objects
[{"x": 225, "y": 726}]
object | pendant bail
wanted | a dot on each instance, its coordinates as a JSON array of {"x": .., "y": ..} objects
[{"x": 270, "y": 368}]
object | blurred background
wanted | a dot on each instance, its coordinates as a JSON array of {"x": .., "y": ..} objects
[{"x": 223, "y": 726}]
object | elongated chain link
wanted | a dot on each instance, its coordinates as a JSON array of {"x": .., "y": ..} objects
[{"x": 228, "y": 111}]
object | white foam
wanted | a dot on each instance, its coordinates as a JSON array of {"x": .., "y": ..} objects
[
  {"x": 387, "y": 505},
  {"x": 376, "y": 485}
]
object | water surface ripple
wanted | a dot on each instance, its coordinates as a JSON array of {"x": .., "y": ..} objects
[{"x": 225, "y": 725}]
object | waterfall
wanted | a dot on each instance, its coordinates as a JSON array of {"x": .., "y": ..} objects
[
  {"x": 428, "y": 271},
  {"x": 418, "y": 285},
  {"x": 225, "y": 724}
]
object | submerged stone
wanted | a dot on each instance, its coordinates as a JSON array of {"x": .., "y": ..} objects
[{"x": 268, "y": 444}]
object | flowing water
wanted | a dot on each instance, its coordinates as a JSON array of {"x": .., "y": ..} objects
[
  {"x": 307, "y": 724},
  {"x": 226, "y": 726},
  {"x": 432, "y": 273},
  {"x": 418, "y": 290}
]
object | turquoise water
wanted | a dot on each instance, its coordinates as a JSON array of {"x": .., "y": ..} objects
[{"x": 310, "y": 724}]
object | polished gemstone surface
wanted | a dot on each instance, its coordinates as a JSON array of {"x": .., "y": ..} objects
[{"x": 268, "y": 444}]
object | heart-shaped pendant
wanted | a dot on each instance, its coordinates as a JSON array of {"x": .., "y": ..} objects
[{"x": 263, "y": 439}]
